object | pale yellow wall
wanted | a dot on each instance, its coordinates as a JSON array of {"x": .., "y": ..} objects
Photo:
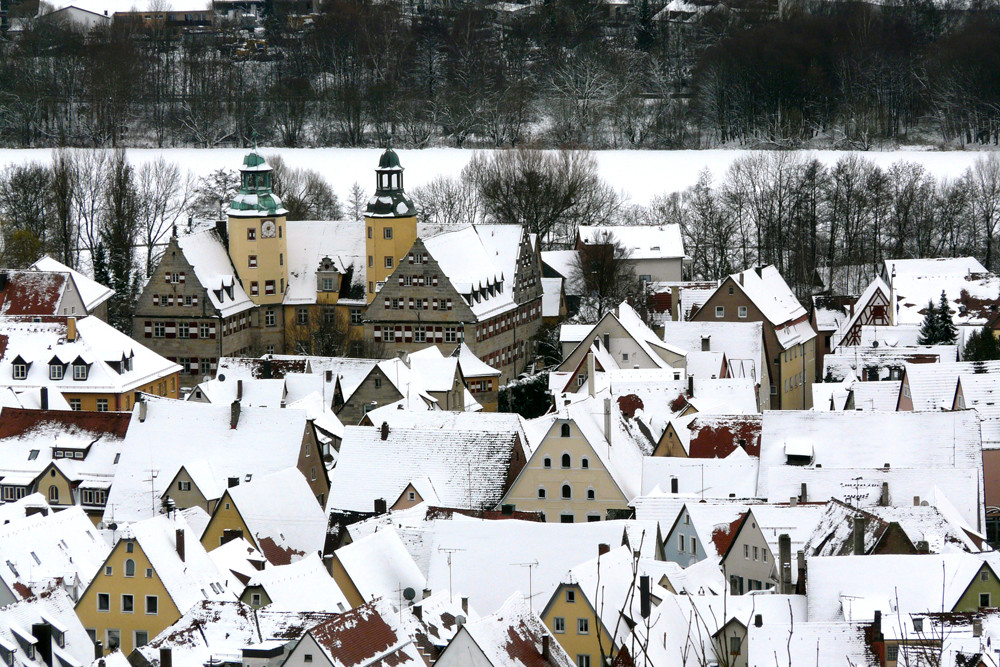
[
  {"x": 377, "y": 247},
  {"x": 404, "y": 502},
  {"x": 670, "y": 444},
  {"x": 574, "y": 643},
  {"x": 185, "y": 499},
  {"x": 345, "y": 583},
  {"x": 54, "y": 478},
  {"x": 226, "y": 517},
  {"x": 524, "y": 492},
  {"x": 117, "y": 584},
  {"x": 799, "y": 359},
  {"x": 272, "y": 256},
  {"x": 168, "y": 386}
]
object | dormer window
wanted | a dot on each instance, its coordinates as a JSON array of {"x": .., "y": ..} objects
[
  {"x": 79, "y": 371},
  {"x": 20, "y": 368},
  {"x": 56, "y": 370}
]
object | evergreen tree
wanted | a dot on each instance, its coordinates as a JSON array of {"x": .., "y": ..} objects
[
  {"x": 981, "y": 345},
  {"x": 947, "y": 333},
  {"x": 929, "y": 327},
  {"x": 101, "y": 265}
]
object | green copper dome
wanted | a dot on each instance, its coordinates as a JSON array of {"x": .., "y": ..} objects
[
  {"x": 389, "y": 160},
  {"x": 390, "y": 200},
  {"x": 255, "y": 197}
]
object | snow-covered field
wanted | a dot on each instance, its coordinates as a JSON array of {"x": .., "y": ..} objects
[{"x": 639, "y": 174}]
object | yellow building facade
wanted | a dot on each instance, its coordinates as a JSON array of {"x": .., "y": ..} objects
[
  {"x": 126, "y": 604},
  {"x": 226, "y": 521},
  {"x": 390, "y": 224},
  {"x": 570, "y": 618}
]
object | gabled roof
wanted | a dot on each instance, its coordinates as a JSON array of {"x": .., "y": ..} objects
[
  {"x": 380, "y": 566},
  {"x": 642, "y": 242},
  {"x": 42, "y": 551},
  {"x": 834, "y": 534},
  {"x": 207, "y": 254},
  {"x": 711, "y": 436},
  {"x": 369, "y": 467},
  {"x": 879, "y": 396},
  {"x": 309, "y": 244},
  {"x": 33, "y": 292},
  {"x": 373, "y": 634},
  {"x": 252, "y": 393},
  {"x": 875, "y": 288},
  {"x": 221, "y": 629},
  {"x": 98, "y": 344},
  {"x": 513, "y": 637},
  {"x": 471, "y": 365},
  {"x": 845, "y": 361},
  {"x": 786, "y": 645},
  {"x": 972, "y": 291},
  {"x": 932, "y": 386},
  {"x": 711, "y": 478},
  {"x": 448, "y": 421},
  {"x": 57, "y": 610},
  {"x": 797, "y": 521},
  {"x": 188, "y": 581},
  {"x": 635, "y": 328},
  {"x": 92, "y": 292},
  {"x": 284, "y": 531},
  {"x": 852, "y": 588},
  {"x": 716, "y": 524},
  {"x": 437, "y": 372},
  {"x": 177, "y": 433},
  {"x": 765, "y": 287},
  {"x": 742, "y": 342},
  {"x": 304, "y": 585}
]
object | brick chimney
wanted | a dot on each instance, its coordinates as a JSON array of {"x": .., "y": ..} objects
[
  {"x": 384, "y": 430},
  {"x": 43, "y": 398},
  {"x": 785, "y": 563},
  {"x": 70, "y": 329},
  {"x": 603, "y": 549}
]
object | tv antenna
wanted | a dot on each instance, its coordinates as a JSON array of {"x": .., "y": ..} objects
[
  {"x": 451, "y": 552},
  {"x": 531, "y": 565}
]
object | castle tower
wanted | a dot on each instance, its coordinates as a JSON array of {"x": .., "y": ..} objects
[
  {"x": 257, "y": 243},
  {"x": 391, "y": 222}
]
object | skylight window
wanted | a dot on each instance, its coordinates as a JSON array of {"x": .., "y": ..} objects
[{"x": 33, "y": 454}]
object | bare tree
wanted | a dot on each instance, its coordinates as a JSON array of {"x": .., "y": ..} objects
[
  {"x": 603, "y": 268},
  {"x": 356, "y": 202},
  {"x": 448, "y": 201},
  {"x": 64, "y": 232},
  {"x": 164, "y": 200},
  {"x": 88, "y": 195},
  {"x": 984, "y": 187}
]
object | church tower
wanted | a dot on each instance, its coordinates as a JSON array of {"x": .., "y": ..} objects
[
  {"x": 257, "y": 243},
  {"x": 391, "y": 222}
]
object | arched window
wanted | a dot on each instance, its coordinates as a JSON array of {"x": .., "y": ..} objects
[
  {"x": 541, "y": 492},
  {"x": 53, "y": 494},
  {"x": 591, "y": 494},
  {"x": 585, "y": 463},
  {"x": 564, "y": 431},
  {"x": 129, "y": 568},
  {"x": 566, "y": 461},
  {"x": 566, "y": 491},
  {"x": 546, "y": 462}
]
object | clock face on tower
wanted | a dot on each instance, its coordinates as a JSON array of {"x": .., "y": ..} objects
[{"x": 267, "y": 229}]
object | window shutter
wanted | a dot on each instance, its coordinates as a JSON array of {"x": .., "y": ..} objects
[
  {"x": 182, "y": 277},
  {"x": 212, "y": 334},
  {"x": 378, "y": 332},
  {"x": 194, "y": 300},
  {"x": 192, "y": 330},
  {"x": 449, "y": 304},
  {"x": 434, "y": 304},
  {"x": 426, "y": 257},
  {"x": 166, "y": 277},
  {"x": 411, "y": 304},
  {"x": 401, "y": 281},
  {"x": 425, "y": 303},
  {"x": 411, "y": 258},
  {"x": 147, "y": 329},
  {"x": 156, "y": 299},
  {"x": 388, "y": 302},
  {"x": 408, "y": 333},
  {"x": 434, "y": 281},
  {"x": 438, "y": 334}
]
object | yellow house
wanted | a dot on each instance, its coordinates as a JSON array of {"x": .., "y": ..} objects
[
  {"x": 154, "y": 574},
  {"x": 353, "y": 572},
  {"x": 93, "y": 365},
  {"x": 390, "y": 224},
  {"x": 284, "y": 531},
  {"x": 589, "y": 462}
]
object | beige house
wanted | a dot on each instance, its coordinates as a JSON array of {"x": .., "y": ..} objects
[{"x": 589, "y": 463}]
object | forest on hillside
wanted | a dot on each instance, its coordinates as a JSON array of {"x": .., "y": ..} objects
[{"x": 746, "y": 73}]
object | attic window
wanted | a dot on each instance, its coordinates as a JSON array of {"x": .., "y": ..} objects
[
  {"x": 20, "y": 371},
  {"x": 56, "y": 371},
  {"x": 80, "y": 371}
]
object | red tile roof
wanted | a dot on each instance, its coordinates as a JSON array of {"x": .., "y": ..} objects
[
  {"x": 715, "y": 437},
  {"x": 359, "y": 635},
  {"x": 723, "y": 536},
  {"x": 15, "y": 422},
  {"x": 32, "y": 293}
]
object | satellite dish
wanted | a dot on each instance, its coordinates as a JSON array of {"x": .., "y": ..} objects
[
  {"x": 874, "y": 343},
  {"x": 222, "y": 377},
  {"x": 409, "y": 593}
]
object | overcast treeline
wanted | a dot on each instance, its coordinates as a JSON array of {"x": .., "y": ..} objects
[{"x": 748, "y": 72}]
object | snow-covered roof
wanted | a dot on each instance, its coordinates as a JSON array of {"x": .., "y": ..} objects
[
  {"x": 862, "y": 486},
  {"x": 100, "y": 346},
  {"x": 551, "y": 296},
  {"x": 380, "y": 566},
  {"x": 500, "y": 547},
  {"x": 207, "y": 254},
  {"x": 876, "y": 395},
  {"x": 711, "y": 478},
  {"x": 304, "y": 585},
  {"x": 641, "y": 242},
  {"x": 238, "y": 560},
  {"x": 31, "y": 398},
  {"x": 843, "y": 440},
  {"x": 220, "y": 630},
  {"x": 854, "y": 361},
  {"x": 436, "y": 371},
  {"x": 177, "y": 433},
  {"x": 513, "y": 637},
  {"x": 374, "y": 634},
  {"x": 258, "y": 393},
  {"x": 784, "y": 644},
  {"x": 476, "y": 257},
  {"x": 41, "y": 550},
  {"x": 832, "y": 395},
  {"x": 309, "y": 243},
  {"x": 471, "y": 365},
  {"x": 284, "y": 531},
  {"x": 971, "y": 290},
  {"x": 449, "y": 421},
  {"x": 982, "y": 394},
  {"x": 742, "y": 342},
  {"x": 188, "y": 580},
  {"x": 852, "y": 588},
  {"x": 765, "y": 287},
  {"x": 369, "y": 467},
  {"x": 932, "y": 386},
  {"x": 833, "y": 535},
  {"x": 55, "y": 609},
  {"x": 827, "y": 313},
  {"x": 92, "y": 292},
  {"x": 876, "y": 287},
  {"x": 715, "y": 521},
  {"x": 34, "y": 293},
  {"x": 270, "y": 366}
]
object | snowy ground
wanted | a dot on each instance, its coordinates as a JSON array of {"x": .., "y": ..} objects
[{"x": 639, "y": 174}]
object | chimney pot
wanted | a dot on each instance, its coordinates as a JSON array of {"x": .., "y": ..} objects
[
  {"x": 380, "y": 506},
  {"x": 793, "y": 501},
  {"x": 916, "y": 501},
  {"x": 591, "y": 371},
  {"x": 180, "y": 543},
  {"x": 98, "y": 649},
  {"x": 426, "y": 593},
  {"x": 545, "y": 647},
  {"x": 384, "y": 430},
  {"x": 418, "y": 611},
  {"x": 465, "y": 604},
  {"x": 883, "y": 499},
  {"x": 603, "y": 549},
  {"x": 70, "y": 329},
  {"x": 234, "y": 414},
  {"x": 142, "y": 410},
  {"x": 758, "y": 620},
  {"x": 329, "y": 376},
  {"x": 977, "y": 628},
  {"x": 239, "y": 390},
  {"x": 785, "y": 561},
  {"x": 607, "y": 420},
  {"x": 43, "y": 398}
]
